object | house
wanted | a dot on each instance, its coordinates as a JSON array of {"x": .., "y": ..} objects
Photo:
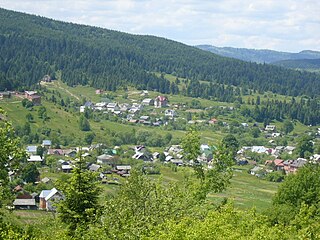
[
  {"x": 155, "y": 155},
  {"x": 124, "y": 107},
  {"x": 316, "y": 158},
  {"x": 270, "y": 128},
  {"x": 58, "y": 152},
  {"x": 136, "y": 107},
  {"x": 31, "y": 150},
  {"x": 4, "y": 95},
  {"x": 289, "y": 149},
  {"x": 123, "y": 171},
  {"x": 46, "y": 78},
  {"x": 99, "y": 91},
  {"x": 144, "y": 93},
  {"x": 177, "y": 162},
  {"x": 175, "y": 149},
  {"x": 111, "y": 107},
  {"x": 29, "y": 204},
  {"x": 256, "y": 171},
  {"x": 147, "y": 102},
  {"x": 48, "y": 198},
  {"x": 34, "y": 158},
  {"x": 142, "y": 156},
  {"x": 143, "y": 119},
  {"x": 88, "y": 105},
  {"x": 94, "y": 167},
  {"x": 213, "y": 121},
  {"x": 274, "y": 135},
  {"x": 278, "y": 163},
  {"x": 259, "y": 149},
  {"x": 46, "y": 180},
  {"x": 245, "y": 125},
  {"x": 33, "y": 97},
  {"x": 101, "y": 106},
  {"x": 161, "y": 101},
  {"x": 46, "y": 143},
  {"x": 170, "y": 113},
  {"x": 107, "y": 159},
  {"x": 70, "y": 152},
  {"x": 66, "y": 168},
  {"x": 291, "y": 166}
]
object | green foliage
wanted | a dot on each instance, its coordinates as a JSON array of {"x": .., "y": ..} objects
[
  {"x": 42, "y": 112},
  {"x": 10, "y": 154},
  {"x": 89, "y": 137},
  {"x": 141, "y": 204},
  {"x": 275, "y": 176},
  {"x": 30, "y": 173},
  {"x": 29, "y": 117},
  {"x": 230, "y": 143},
  {"x": 302, "y": 187},
  {"x": 223, "y": 223},
  {"x": 287, "y": 126},
  {"x": 191, "y": 150},
  {"x": 191, "y": 145},
  {"x": 84, "y": 124},
  {"x": 80, "y": 205},
  {"x": 304, "y": 146}
]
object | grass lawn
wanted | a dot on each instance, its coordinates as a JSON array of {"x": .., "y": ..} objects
[
  {"x": 248, "y": 191},
  {"x": 32, "y": 216}
]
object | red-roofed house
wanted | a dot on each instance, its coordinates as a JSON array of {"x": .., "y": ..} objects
[{"x": 160, "y": 101}]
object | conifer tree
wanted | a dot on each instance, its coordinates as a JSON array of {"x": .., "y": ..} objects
[{"x": 80, "y": 205}]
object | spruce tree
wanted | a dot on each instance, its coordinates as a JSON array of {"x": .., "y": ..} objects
[{"x": 79, "y": 206}]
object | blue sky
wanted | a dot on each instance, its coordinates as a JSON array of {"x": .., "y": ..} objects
[{"x": 283, "y": 25}]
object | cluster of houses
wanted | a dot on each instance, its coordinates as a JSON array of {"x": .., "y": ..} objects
[
  {"x": 286, "y": 166},
  {"x": 116, "y": 108},
  {"x": 32, "y": 151},
  {"x": 32, "y": 96},
  {"x": 130, "y": 110},
  {"x": 45, "y": 201}
]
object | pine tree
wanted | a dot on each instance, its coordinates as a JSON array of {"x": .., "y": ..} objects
[{"x": 80, "y": 205}]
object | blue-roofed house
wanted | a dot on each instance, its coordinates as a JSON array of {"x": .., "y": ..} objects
[
  {"x": 46, "y": 143},
  {"x": 88, "y": 104},
  {"x": 31, "y": 150}
]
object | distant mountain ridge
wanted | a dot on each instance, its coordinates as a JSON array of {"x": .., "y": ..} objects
[
  {"x": 33, "y": 46},
  {"x": 259, "y": 55}
]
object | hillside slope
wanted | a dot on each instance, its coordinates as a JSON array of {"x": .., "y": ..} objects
[
  {"x": 32, "y": 46},
  {"x": 307, "y": 64}
]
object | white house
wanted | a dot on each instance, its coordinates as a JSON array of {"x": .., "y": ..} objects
[
  {"x": 113, "y": 107},
  {"x": 170, "y": 113},
  {"x": 48, "y": 198},
  {"x": 147, "y": 102},
  {"x": 35, "y": 158}
]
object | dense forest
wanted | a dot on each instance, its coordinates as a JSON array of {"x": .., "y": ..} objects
[
  {"x": 300, "y": 63},
  {"x": 32, "y": 46}
]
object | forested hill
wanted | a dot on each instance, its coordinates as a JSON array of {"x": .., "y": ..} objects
[
  {"x": 32, "y": 46},
  {"x": 259, "y": 55},
  {"x": 312, "y": 64}
]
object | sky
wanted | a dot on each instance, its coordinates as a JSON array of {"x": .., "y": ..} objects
[{"x": 282, "y": 25}]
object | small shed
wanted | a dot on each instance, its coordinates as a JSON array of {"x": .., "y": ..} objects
[{"x": 26, "y": 204}]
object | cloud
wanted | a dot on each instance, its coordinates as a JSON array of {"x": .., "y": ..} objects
[{"x": 287, "y": 25}]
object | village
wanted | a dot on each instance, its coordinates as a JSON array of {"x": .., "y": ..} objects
[{"x": 113, "y": 163}]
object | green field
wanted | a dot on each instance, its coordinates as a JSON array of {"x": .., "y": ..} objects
[{"x": 247, "y": 191}]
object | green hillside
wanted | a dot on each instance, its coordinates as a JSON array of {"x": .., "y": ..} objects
[
  {"x": 304, "y": 64},
  {"x": 32, "y": 46}
]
